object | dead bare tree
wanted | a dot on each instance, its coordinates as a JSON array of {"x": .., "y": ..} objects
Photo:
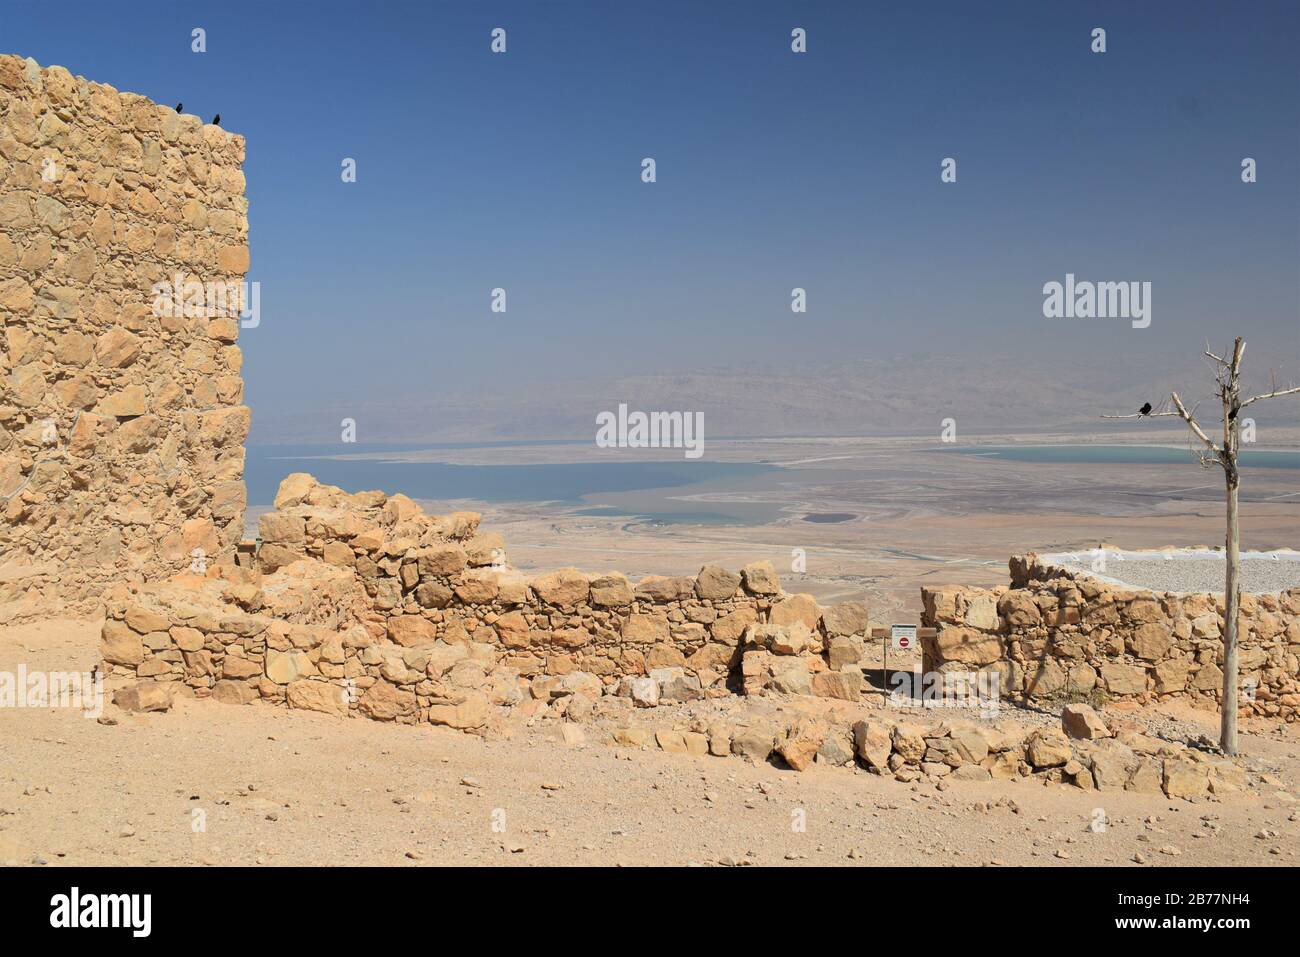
[{"x": 1228, "y": 388}]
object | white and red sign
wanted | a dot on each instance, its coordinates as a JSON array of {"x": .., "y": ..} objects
[{"x": 903, "y": 637}]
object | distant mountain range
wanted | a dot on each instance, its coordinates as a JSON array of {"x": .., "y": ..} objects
[{"x": 906, "y": 395}]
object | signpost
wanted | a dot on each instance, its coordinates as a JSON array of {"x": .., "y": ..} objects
[{"x": 903, "y": 638}]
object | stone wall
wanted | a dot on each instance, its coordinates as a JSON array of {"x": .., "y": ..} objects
[
  {"x": 361, "y": 603},
  {"x": 121, "y": 426},
  {"x": 1056, "y": 634}
]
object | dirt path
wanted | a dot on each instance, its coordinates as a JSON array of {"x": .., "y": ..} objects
[{"x": 283, "y": 787}]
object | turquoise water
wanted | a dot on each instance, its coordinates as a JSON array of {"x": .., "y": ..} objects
[
  {"x": 1119, "y": 455},
  {"x": 694, "y": 492},
  {"x": 570, "y": 483}
]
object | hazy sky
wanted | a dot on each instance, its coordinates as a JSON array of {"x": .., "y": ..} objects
[{"x": 775, "y": 170}]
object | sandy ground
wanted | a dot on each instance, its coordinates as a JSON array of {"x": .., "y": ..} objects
[{"x": 278, "y": 787}]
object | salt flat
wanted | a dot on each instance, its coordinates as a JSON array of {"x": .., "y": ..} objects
[{"x": 1184, "y": 570}]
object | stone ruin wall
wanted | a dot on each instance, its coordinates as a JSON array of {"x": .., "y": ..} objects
[
  {"x": 121, "y": 431},
  {"x": 361, "y": 603},
  {"x": 1057, "y": 634}
]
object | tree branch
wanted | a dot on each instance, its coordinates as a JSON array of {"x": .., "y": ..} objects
[
  {"x": 1139, "y": 415},
  {"x": 1191, "y": 424},
  {"x": 1271, "y": 395}
]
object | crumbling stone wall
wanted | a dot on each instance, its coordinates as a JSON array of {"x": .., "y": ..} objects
[
  {"x": 121, "y": 430},
  {"x": 1055, "y": 633},
  {"x": 362, "y": 603}
]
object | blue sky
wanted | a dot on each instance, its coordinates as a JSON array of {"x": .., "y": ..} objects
[{"x": 775, "y": 170}]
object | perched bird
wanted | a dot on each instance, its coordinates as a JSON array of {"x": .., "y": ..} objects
[
  {"x": 1146, "y": 409},
  {"x": 1232, "y": 414},
  {"x": 178, "y": 107},
  {"x": 216, "y": 120}
]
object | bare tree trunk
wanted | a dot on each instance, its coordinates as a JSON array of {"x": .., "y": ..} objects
[
  {"x": 1231, "y": 602},
  {"x": 1230, "y": 393},
  {"x": 1228, "y": 378}
]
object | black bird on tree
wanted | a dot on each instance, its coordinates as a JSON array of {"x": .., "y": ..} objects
[{"x": 1146, "y": 409}]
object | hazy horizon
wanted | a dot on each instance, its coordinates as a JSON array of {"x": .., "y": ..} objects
[{"x": 896, "y": 396}]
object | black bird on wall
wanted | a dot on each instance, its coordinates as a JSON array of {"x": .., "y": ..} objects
[
  {"x": 178, "y": 107},
  {"x": 1146, "y": 409},
  {"x": 216, "y": 120}
]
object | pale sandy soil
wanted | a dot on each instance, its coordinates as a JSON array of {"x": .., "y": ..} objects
[{"x": 281, "y": 787}]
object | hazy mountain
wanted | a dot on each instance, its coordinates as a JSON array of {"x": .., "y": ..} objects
[{"x": 881, "y": 396}]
